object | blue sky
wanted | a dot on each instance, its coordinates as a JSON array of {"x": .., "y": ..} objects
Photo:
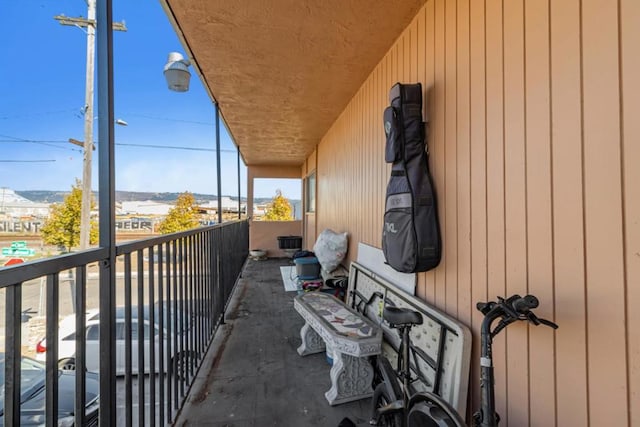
[{"x": 42, "y": 92}]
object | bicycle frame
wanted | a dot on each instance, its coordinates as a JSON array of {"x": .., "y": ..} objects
[
  {"x": 429, "y": 406},
  {"x": 404, "y": 402},
  {"x": 389, "y": 375}
]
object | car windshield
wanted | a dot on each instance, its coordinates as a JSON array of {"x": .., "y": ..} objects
[{"x": 32, "y": 374}]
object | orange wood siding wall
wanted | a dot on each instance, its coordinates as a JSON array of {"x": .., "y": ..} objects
[{"x": 534, "y": 144}]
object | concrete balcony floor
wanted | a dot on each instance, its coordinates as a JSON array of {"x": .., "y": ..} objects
[{"x": 253, "y": 375}]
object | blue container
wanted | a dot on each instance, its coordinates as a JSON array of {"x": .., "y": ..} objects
[{"x": 307, "y": 268}]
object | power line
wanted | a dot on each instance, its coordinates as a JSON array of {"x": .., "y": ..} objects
[
  {"x": 168, "y": 147},
  {"x": 28, "y": 161},
  {"x": 34, "y": 141},
  {"x": 173, "y": 147}
]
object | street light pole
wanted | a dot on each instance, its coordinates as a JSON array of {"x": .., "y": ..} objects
[
  {"x": 85, "y": 209},
  {"x": 90, "y": 25}
]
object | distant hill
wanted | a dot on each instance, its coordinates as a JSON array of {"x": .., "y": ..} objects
[{"x": 46, "y": 196}]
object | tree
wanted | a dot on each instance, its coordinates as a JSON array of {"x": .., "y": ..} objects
[
  {"x": 181, "y": 217},
  {"x": 62, "y": 227},
  {"x": 279, "y": 209}
]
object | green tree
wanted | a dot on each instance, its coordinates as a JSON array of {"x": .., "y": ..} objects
[
  {"x": 183, "y": 216},
  {"x": 279, "y": 209},
  {"x": 62, "y": 227}
]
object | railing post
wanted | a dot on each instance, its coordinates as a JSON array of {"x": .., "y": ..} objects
[
  {"x": 106, "y": 176},
  {"x": 220, "y": 277},
  {"x": 218, "y": 171}
]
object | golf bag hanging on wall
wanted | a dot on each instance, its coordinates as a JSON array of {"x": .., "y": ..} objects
[{"x": 411, "y": 233}]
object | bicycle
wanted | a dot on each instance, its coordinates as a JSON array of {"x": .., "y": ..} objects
[{"x": 395, "y": 403}]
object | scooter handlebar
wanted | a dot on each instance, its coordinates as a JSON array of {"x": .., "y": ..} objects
[
  {"x": 512, "y": 309},
  {"x": 524, "y": 304},
  {"x": 548, "y": 323}
]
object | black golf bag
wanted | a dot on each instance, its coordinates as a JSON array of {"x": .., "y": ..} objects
[{"x": 411, "y": 233}]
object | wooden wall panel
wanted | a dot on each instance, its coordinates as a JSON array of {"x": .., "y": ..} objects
[
  {"x": 495, "y": 180},
  {"x": 630, "y": 88},
  {"x": 515, "y": 192},
  {"x": 534, "y": 146},
  {"x": 463, "y": 125},
  {"x": 427, "y": 281},
  {"x": 478, "y": 141},
  {"x": 603, "y": 213},
  {"x": 539, "y": 208},
  {"x": 568, "y": 219},
  {"x": 437, "y": 143},
  {"x": 450, "y": 150}
]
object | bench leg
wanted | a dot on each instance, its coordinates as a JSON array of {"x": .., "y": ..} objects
[
  {"x": 311, "y": 342},
  {"x": 351, "y": 379}
]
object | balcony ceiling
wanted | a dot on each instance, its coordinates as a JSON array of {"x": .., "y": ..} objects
[{"x": 283, "y": 70}]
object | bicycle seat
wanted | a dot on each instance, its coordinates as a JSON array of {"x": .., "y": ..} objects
[{"x": 401, "y": 316}]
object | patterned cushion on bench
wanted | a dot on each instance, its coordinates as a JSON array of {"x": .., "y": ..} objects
[{"x": 336, "y": 314}]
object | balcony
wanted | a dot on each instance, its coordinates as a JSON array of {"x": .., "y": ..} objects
[{"x": 239, "y": 328}]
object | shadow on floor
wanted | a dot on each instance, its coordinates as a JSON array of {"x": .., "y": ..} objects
[{"x": 253, "y": 375}]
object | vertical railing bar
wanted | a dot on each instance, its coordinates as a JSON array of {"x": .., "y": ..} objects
[
  {"x": 176, "y": 332},
  {"x": 221, "y": 283},
  {"x": 187, "y": 307},
  {"x": 186, "y": 327},
  {"x": 13, "y": 354},
  {"x": 190, "y": 299},
  {"x": 208, "y": 292},
  {"x": 152, "y": 341},
  {"x": 201, "y": 279},
  {"x": 181, "y": 368},
  {"x": 194, "y": 301},
  {"x": 205, "y": 284},
  {"x": 174, "y": 304},
  {"x": 214, "y": 282},
  {"x": 128, "y": 343},
  {"x": 161, "y": 375},
  {"x": 81, "y": 344},
  {"x": 51, "y": 381},
  {"x": 205, "y": 288},
  {"x": 170, "y": 313},
  {"x": 219, "y": 292},
  {"x": 215, "y": 291},
  {"x": 208, "y": 284},
  {"x": 195, "y": 296},
  {"x": 140, "y": 372},
  {"x": 224, "y": 271}
]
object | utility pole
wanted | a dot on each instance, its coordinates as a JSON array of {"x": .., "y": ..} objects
[{"x": 90, "y": 25}]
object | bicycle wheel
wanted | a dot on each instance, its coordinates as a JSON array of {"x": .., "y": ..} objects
[
  {"x": 430, "y": 410},
  {"x": 383, "y": 396}
]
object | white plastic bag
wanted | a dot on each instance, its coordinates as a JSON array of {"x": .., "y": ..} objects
[{"x": 330, "y": 249}]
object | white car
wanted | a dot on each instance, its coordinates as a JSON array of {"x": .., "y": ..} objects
[{"x": 67, "y": 343}]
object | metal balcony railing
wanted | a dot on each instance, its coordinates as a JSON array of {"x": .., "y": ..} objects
[{"x": 170, "y": 290}]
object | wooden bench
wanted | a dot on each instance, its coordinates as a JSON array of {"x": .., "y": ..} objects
[{"x": 350, "y": 336}]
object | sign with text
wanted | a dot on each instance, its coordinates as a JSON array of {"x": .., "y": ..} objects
[
  {"x": 20, "y": 227},
  {"x": 18, "y": 252}
]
